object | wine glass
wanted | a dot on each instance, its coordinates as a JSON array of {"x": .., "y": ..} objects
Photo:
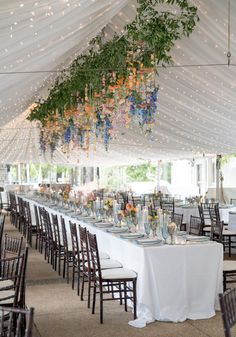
[
  {"x": 164, "y": 232},
  {"x": 129, "y": 223},
  {"x": 147, "y": 229}
]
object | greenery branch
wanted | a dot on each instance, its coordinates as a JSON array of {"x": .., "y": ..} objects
[{"x": 146, "y": 42}]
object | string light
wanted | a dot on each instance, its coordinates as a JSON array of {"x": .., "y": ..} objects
[{"x": 195, "y": 113}]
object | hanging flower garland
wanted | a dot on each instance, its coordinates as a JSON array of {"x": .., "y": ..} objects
[
  {"x": 114, "y": 82},
  {"x": 94, "y": 119}
]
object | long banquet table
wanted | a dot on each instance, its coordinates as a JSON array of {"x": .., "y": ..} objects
[{"x": 175, "y": 282}]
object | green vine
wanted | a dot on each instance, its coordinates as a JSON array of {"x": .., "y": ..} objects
[{"x": 146, "y": 42}]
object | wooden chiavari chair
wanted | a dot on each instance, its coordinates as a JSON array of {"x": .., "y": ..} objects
[
  {"x": 228, "y": 310},
  {"x": 12, "y": 246},
  {"x": 15, "y": 322},
  {"x": 110, "y": 281}
]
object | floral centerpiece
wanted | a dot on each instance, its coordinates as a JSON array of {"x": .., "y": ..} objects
[
  {"x": 171, "y": 230},
  {"x": 131, "y": 214},
  {"x": 66, "y": 193},
  {"x": 120, "y": 216},
  {"x": 153, "y": 219},
  {"x": 108, "y": 207},
  {"x": 88, "y": 203}
]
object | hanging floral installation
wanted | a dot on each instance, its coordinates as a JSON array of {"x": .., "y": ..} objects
[{"x": 115, "y": 82}]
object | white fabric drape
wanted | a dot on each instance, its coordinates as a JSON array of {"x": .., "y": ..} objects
[{"x": 196, "y": 109}]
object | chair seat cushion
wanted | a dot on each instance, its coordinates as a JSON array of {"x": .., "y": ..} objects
[
  {"x": 118, "y": 273},
  {"x": 229, "y": 266},
  {"x": 103, "y": 256},
  {"x": 108, "y": 264},
  {"x": 7, "y": 297},
  {"x": 6, "y": 283}
]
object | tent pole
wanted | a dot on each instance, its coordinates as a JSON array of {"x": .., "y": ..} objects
[{"x": 218, "y": 165}]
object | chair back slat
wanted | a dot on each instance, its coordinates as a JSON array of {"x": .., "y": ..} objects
[
  {"x": 228, "y": 309},
  {"x": 12, "y": 245},
  {"x": 2, "y": 223},
  {"x": 167, "y": 204},
  {"x": 41, "y": 219},
  {"x": 74, "y": 239},
  {"x": 195, "y": 225},
  {"x": 178, "y": 219},
  {"x": 216, "y": 226},
  {"x": 11, "y": 269},
  {"x": 16, "y": 322},
  {"x": 204, "y": 211},
  {"x": 84, "y": 247},
  {"x": 36, "y": 217},
  {"x": 64, "y": 235},
  {"x": 56, "y": 230},
  {"x": 94, "y": 254}
]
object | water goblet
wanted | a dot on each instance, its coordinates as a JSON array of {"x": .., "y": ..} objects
[
  {"x": 147, "y": 228},
  {"x": 129, "y": 223},
  {"x": 164, "y": 232}
]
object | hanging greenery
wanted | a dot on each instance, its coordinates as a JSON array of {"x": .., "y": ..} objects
[{"x": 145, "y": 43}]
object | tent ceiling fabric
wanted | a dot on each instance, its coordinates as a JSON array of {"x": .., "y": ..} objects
[{"x": 196, "y": 107}]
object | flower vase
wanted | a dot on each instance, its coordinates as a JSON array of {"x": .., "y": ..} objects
[
  {"x": 164, "y": 232},
  {"x": 135, "y": 224},
  {"x": 154, "y": 228},
  {"x": 129, "y": 222},
  {"x": 171, "y": 230},
  {"x": 172, "y": 239}
]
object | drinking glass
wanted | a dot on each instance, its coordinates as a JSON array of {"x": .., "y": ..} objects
[
  {"x": 164, "y": 232},
  {"x": 147, "y": 228}
]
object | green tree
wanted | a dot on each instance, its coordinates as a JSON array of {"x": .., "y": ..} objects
[{"x": 144, "y": 172}]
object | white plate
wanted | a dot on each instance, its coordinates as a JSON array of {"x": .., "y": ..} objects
[
  {"x": 103, "y": 225},
  {"x": 117, "y": 230},
  {"x": 147, "y": 242},
  {"x": 180, "y": 233},
  {"x": 132, "y": 236},
  {"x": 86, "y": 218},
  {"x": 196, "y": 238}
]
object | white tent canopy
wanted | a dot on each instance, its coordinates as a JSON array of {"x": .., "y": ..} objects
[{"x": 196, "y": 107}]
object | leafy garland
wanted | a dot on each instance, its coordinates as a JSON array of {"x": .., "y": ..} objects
[{"x": 146, "y": 42}]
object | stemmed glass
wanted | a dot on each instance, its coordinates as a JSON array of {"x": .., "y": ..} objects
[
  {"x": 147, "y": 228},
  {"x": 119, "y": 219},
  {"x": 164, "y": 232},
  {"x": 129, "y": 223}
]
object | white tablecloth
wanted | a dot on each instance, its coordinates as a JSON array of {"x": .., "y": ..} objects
[
  {"x": 174, "y": 282},
  {"x": 187, "y": 211}
]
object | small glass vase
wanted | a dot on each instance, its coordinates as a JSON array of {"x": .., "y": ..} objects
[
  {"x": 130, "y": 223},
  {"x": 164, "y": 233}
]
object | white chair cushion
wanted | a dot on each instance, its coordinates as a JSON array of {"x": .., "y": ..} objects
[
  {"x": 107, "y": 264},
  {"x": 118, "y": 273},
  {"x": 103, "y": 256},
  {"x": 6, "y": 283},
  {"x": 229, "y": 265},
  {"x": 110, "y": 264},
  {"x": 7, "y": 293}
]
